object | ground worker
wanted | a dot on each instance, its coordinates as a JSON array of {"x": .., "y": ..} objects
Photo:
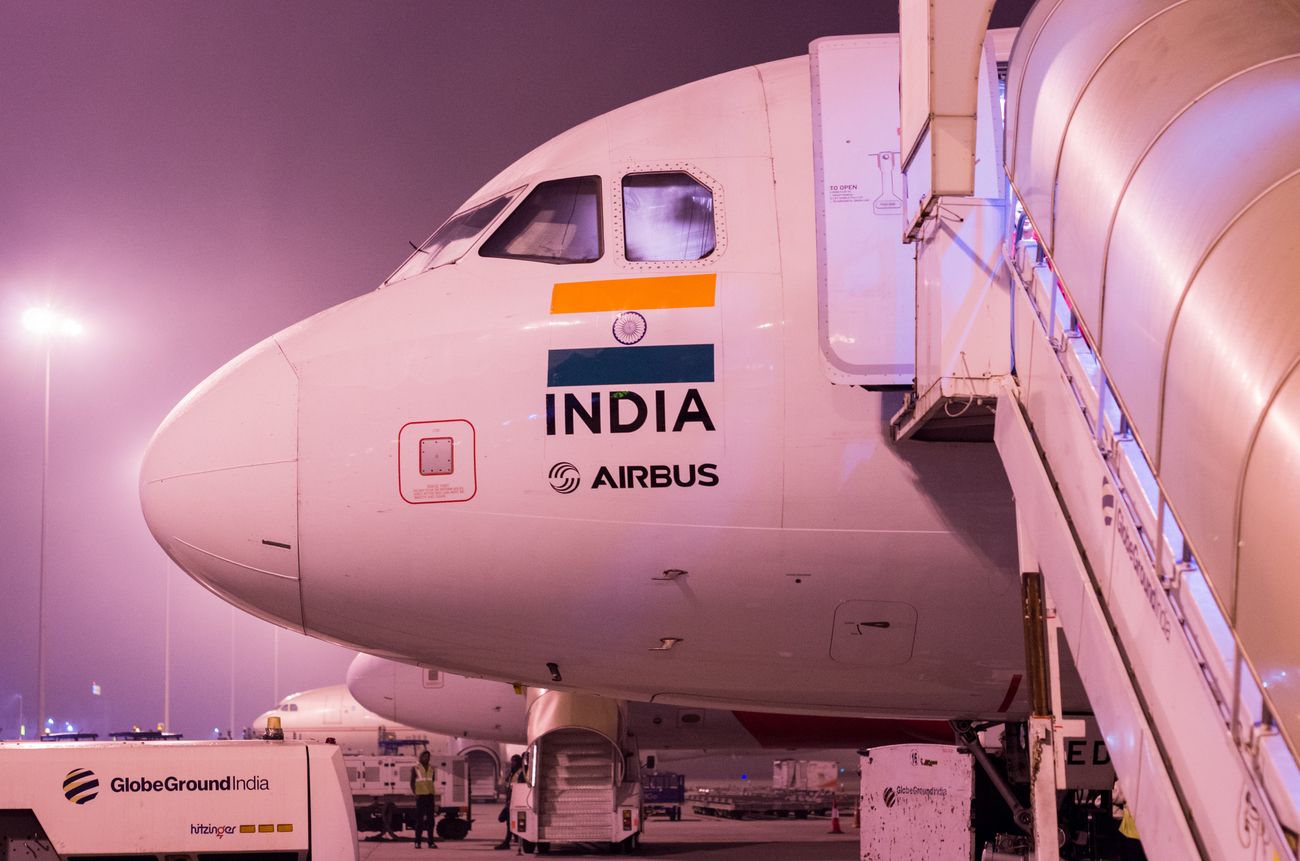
[
  {"x": 512, "y": 777},
  {"x": 422, "y": 787}
]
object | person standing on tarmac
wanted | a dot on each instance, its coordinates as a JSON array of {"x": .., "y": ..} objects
[
  {"x": 1130, "y": 845},
  {"x": 422, "y": 788},
  {"x": 516, "y": 768}
]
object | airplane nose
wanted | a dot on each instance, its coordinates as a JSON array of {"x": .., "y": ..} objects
[
  {"x": 219, "y": 485},
  {"x": 372, "y": 682},
  {"x": 258, "y": 726}
]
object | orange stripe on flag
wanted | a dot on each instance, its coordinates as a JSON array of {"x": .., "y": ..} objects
[{"x": 628, "y": 294}]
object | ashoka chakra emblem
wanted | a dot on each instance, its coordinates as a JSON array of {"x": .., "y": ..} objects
[{"x": 629, "y": 327}]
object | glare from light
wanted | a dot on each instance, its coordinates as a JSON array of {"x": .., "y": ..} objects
[
  {"x": 38, "y": 320},
  {"x": 47, "y": 321}
]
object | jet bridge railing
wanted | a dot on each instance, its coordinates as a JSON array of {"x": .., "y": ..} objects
[
  {"x": 1138, "y": 530},
  {"x": 1245, "y": 704}
]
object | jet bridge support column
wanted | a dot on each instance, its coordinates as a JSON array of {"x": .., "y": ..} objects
[{"x": 1042, "y": 747}]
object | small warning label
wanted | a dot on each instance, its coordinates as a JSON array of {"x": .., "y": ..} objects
[
  {"x": 438, "y": 491},
  {"x": 847, "y": 193}
]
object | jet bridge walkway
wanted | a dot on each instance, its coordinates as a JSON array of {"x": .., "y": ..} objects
[
  {"x": 1203, "y": 766},
  {"x": 1146, "y": 405},
  {"x": 1148, "y": 428}
]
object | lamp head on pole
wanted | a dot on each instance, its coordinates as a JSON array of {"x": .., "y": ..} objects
[{"x": 47, "y": 321}]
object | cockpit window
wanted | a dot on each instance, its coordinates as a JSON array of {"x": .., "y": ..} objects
[
  {"x": 449, "y": 242},
  {"x": 558, "y": 222},
  {"x": 667, "y": 216}
]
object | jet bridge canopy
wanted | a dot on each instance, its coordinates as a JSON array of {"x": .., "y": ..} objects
[{"x": 1167, "y": 195}]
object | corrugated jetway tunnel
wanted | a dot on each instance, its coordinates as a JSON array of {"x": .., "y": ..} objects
[
  {"x": 1154, "y": 146},
  {"x": 1146, "y": 423}
]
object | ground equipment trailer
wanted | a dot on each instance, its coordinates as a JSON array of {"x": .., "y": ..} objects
[
  {"x": 663, "y": 792},
  {"x": 175, "y": 801},
  {"x": 382, "y": 799}
]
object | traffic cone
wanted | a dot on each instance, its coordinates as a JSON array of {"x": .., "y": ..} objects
[{"x": 835, "y": 818}]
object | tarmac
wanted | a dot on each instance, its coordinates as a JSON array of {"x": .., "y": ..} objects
[{"x": 690, "y": 838}]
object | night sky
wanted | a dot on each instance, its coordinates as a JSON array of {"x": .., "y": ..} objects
[{"x": 186, "y": 178}]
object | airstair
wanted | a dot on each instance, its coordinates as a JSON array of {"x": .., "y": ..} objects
[
  {"x": 581, "y": 776},
  {"x": 1204, "y": 768},
  {"x": 1153, "y": 359},
  {"x": 1143, "y": 427},
  {"x": 576, "y": 786}
]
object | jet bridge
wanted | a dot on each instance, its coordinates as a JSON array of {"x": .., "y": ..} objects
[
  {"x": 1157, "y": 333},
  {"x": 1148, "y": 423}
]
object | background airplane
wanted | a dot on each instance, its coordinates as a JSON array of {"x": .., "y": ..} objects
[
  {"x": 731, "y": 753},
  {"x": 432, "y": 700},
  {"x": 332, "y": 713}
]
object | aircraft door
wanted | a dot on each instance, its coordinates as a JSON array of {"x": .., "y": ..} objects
[{"x": 866, "y": 281}]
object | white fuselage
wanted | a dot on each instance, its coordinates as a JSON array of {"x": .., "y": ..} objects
[
  {"x": 407, "y": 696},
  {"x": 813, "y": 564}
]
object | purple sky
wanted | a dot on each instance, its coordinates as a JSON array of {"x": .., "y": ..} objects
[{"x": 190, "y": 177}]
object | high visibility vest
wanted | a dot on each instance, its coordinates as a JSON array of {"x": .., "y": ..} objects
[
  {"x": 1128, "y": 826},
  {"x": 423, "y": 780}
]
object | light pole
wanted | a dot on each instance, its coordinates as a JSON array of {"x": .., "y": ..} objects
[
  {"x": 275, "y": 665},
  {"x": 48, "y": 324},
  {"x": 230, "y": 728},
  {"x": 167, "y": 646},
  {"x": 22, "y": 719}
]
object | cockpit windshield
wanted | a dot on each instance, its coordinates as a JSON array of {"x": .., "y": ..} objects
[{"x": 454, "y": 238}]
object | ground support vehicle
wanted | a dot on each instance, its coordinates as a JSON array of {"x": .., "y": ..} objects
[
  {"x": 384, "y": 804},
  {"x": 578, "y": 789},
  {"x": 766, "y": 804},
  {"x": 663, "y": 792},
  {"x": 174, "y": 801}
]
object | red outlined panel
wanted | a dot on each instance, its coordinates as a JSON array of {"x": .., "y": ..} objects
[{"x": 446, "y": 444}]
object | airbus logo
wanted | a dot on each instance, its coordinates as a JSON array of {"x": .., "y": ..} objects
[
  {"x": 565, "y": 477},
  {"x": 80, "y": 785}
]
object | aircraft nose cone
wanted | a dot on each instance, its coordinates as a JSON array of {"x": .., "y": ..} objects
[
  {"x": 258, "y": 727},
  {"x": 219, "y": 485},
  {"x": 372, "y": 682}
]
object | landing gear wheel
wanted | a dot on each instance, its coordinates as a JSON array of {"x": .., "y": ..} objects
[
  {"x": 390, "y": 819},
  {"x": 527, "y": 845},
  {"x": 453, "y": 828}
]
